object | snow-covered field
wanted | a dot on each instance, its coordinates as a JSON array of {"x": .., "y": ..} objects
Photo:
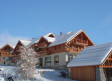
[{"x": 47, "y": 75}]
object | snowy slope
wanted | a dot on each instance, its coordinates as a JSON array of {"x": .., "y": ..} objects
[{"x": 48, "y": 75}]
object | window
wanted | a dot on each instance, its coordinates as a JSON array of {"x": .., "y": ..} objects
[
  {"x": 68, "y": 46},
  {"x": 70, "y": 57},
  {"x": 10, "y": 58},
  {"x": 80, "y": 47},
  {"x": 47, "y": 60},
  {"x": 55, "y": 47},
  {"x": 7, "y": 48},
  {"x": 75, "y": 46},
  {"x": 56, "y": 59},
  {"x": 106, "y": 63},
  {"x": 79, "y": 37},
  {"x": 40, "y": 61}
]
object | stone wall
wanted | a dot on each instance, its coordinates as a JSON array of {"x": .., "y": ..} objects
[{"x": 100, "y": 74}]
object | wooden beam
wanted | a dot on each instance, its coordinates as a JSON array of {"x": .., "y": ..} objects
[{"x": 106, "y": 66}]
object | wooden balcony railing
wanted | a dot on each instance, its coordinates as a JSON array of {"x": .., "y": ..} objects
[
  {"x": 75, "y": 50},
  {"x": 42, "y": 44},
  {"x": 81, "y": 41},
  {"x": 42, "y": 52}
]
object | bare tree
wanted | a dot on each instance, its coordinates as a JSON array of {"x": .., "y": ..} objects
[{"x": 27, "y": 63}]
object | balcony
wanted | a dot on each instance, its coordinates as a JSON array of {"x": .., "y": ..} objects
[
  {"x": 42, "y": 45},
  {"x": 42, "y": 52},
  {"x": 80, "y": 41},
  {"x": 74, "y": 50}
]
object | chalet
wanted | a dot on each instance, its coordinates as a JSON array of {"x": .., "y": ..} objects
[
  {"x": 5, "y": 55},
  {"x": 24, "y": 43},
  {"x": 94, "y": 63},
  {"x": 57, "y": 51},
  {"x": 15, "y": 51}
]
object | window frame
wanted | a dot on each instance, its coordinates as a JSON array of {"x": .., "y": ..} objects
[
  {"x": 69, "y": 57},
  {"x": 56, "y": 56},
  {"x": 48, "y": 60}
]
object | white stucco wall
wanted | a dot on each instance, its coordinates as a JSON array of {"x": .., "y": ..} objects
[
  {"x": 63, "y": 59},
  {"x": 5, "y": 59}
]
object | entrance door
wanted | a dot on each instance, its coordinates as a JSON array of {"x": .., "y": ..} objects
[{"x": 108, "y": 74}]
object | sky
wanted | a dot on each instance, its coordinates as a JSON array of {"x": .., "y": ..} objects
[{"x": 25, "y": 19}]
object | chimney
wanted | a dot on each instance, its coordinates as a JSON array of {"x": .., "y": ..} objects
[{"x": 60, "y": 33}]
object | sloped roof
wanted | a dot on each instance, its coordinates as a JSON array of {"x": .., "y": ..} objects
[
  {"x": 64, "y": 38},
  {"x": 92, "y": 55},
  {"x": 25, "y": 42},
  {"x": 12, "y": 45},
  {"x": 36, "y": 40},
  {"x": 57, "y": 39},
  {"x": 49, "y": 39},
  {"x": 47, "y": 35},
  {"x": 6, "y": 45}
]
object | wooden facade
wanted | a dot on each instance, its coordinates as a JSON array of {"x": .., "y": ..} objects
[
  {"x": 5, "y": 53},
  {"x": 16, "y": 52},
  {"x": 46, "y": 53},
  {"x": 108, "y": 62},
  {"x": 88, "y": 73},
  {"x": 75, "y": 45},
  {"x": 83, "y": 73}
]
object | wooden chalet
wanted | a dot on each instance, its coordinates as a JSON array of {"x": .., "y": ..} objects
[
  {"x": 70, "y": 42},
  {"x": 5, "y": 53},
  {"x": 94, "y": 63},
  {"x": 54, "y": 51},
  {"x": 62, "y": 43},
  {"x": 57, "y": 51},
  {"x": 15, "y": 52},
  {"x": 41, "y": 47}
]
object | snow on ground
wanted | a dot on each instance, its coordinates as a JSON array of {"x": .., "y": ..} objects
[{"x": 47, "y": 75}]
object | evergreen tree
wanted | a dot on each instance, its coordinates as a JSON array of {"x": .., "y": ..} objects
[{"x": 27, "y": 64}]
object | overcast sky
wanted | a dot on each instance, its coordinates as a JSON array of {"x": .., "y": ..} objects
[{"x": 22, "y": 19}]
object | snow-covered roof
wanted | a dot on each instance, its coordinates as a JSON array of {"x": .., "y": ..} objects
[
  {"x": 49, "y": 39},
  {"x": 48, "y": 34},
  {"x": 92, "y": 55},
  {"x": 36, "y": 40},
  {"x": 33, "y": 41},
  {"x": 6, "y": 45},
  {"x": 64, "y": 38},
  {"x": 25, "y": 42}
]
